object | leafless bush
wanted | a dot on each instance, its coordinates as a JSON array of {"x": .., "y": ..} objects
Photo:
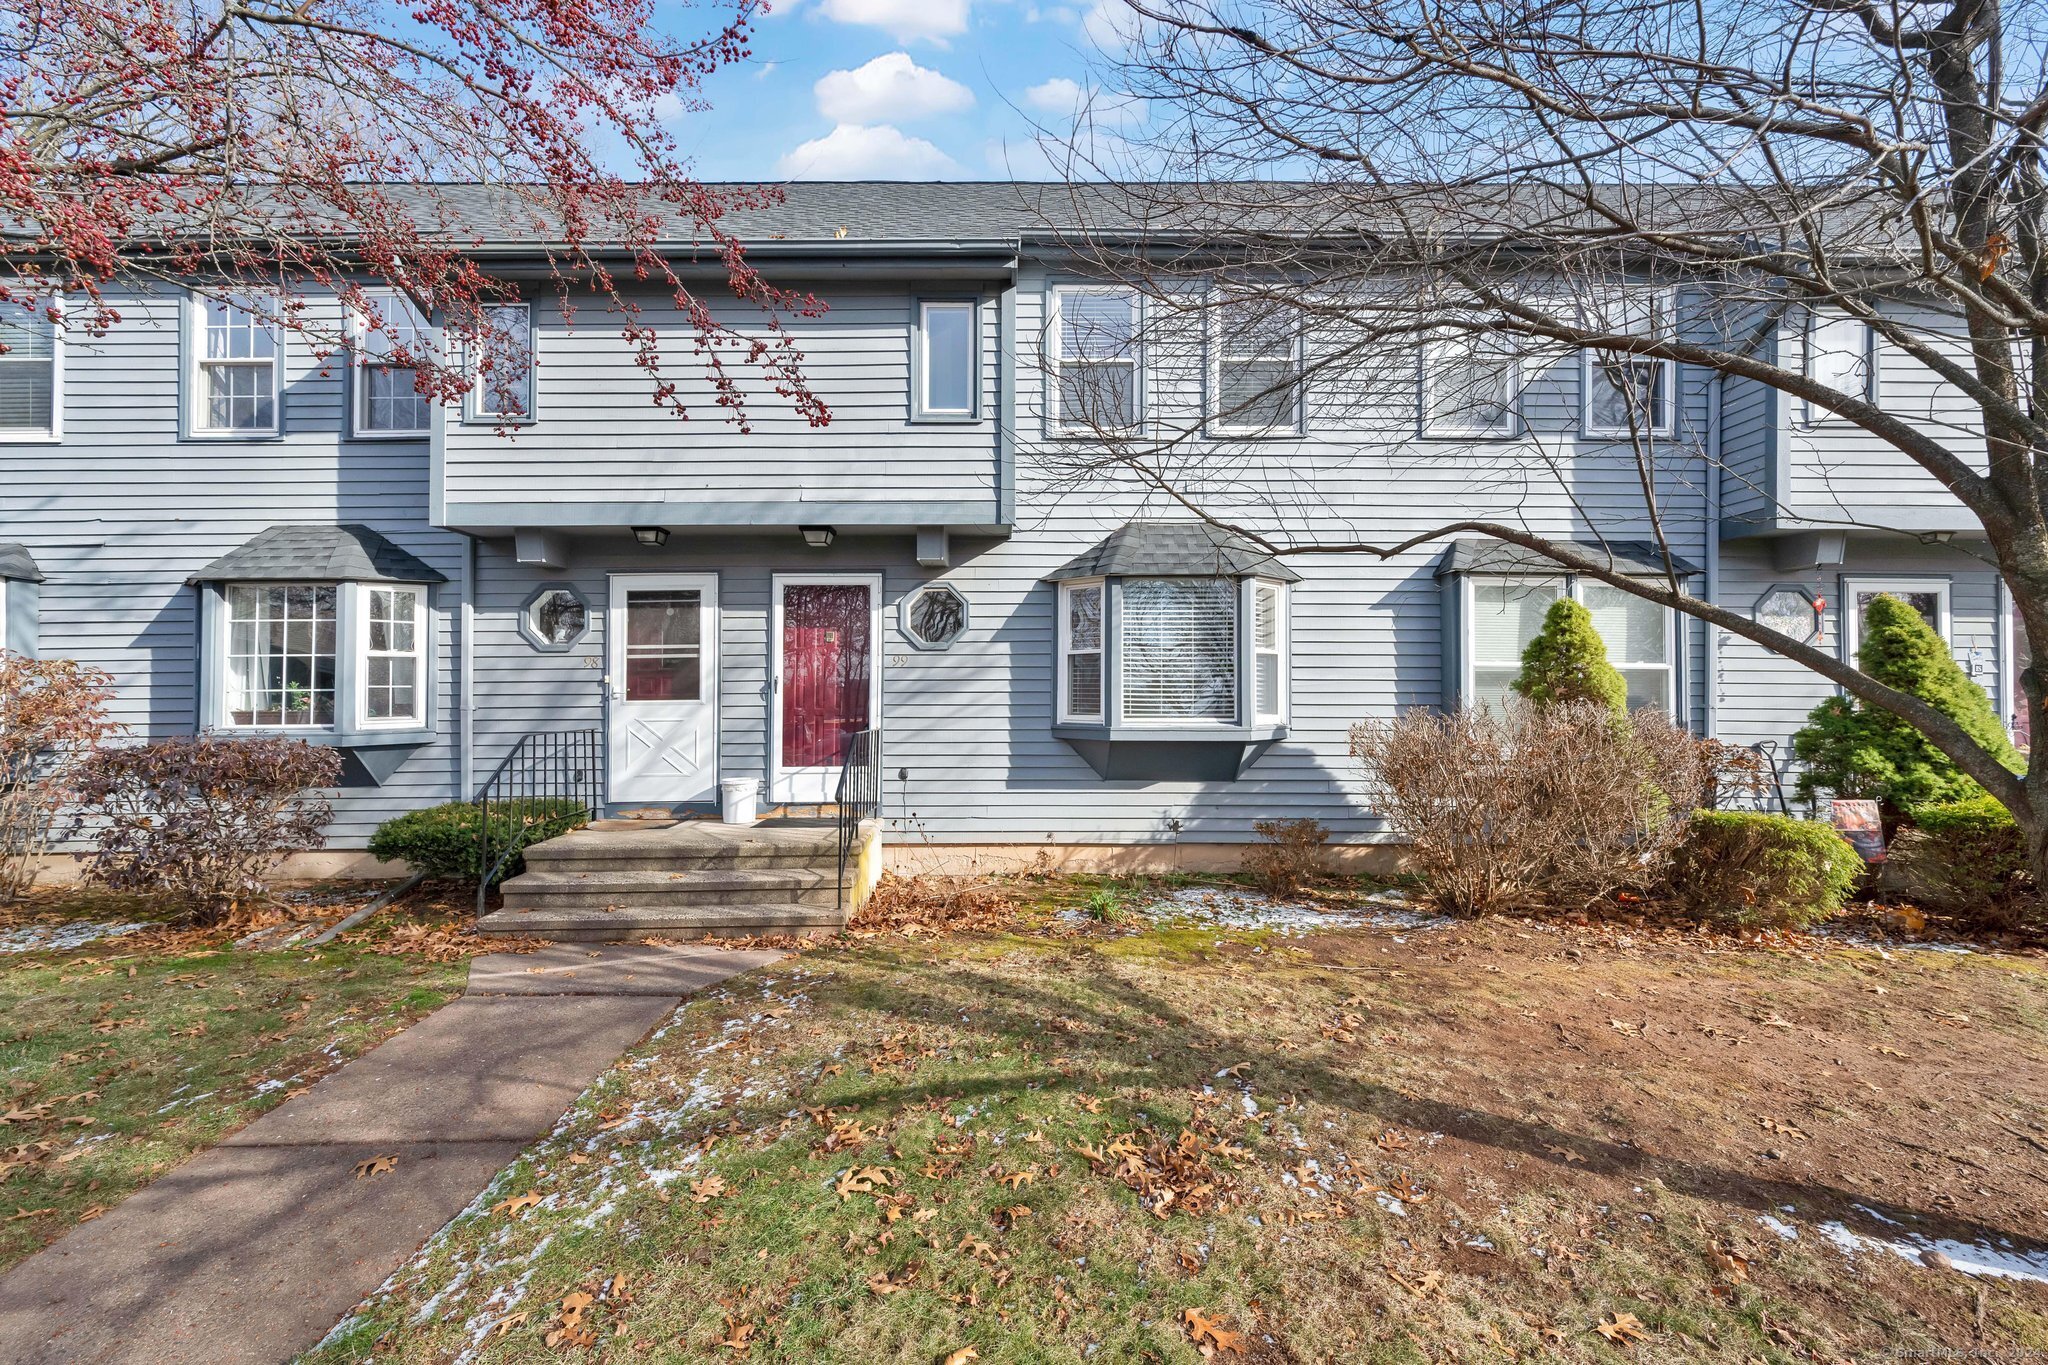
[
  {"x": 1519, "y": 808},
  {"x": 1291, "y": 855}
]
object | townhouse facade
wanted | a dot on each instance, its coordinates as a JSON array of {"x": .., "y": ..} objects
[{"x": 253, "y": 539}]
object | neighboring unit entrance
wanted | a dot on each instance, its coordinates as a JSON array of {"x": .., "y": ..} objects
[
  {"x": 662, "y": 651},
  {"x": 827, "y": 684}
]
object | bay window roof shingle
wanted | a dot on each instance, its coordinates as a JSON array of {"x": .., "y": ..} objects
[
  {"x": 1173, "y": 549},
  {"x": 17, "y": 563},
  {"x": 318, "y": 554},
  {"x": 1644, "y": 557}
]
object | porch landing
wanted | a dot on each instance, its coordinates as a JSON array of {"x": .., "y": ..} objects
[{"x": 630, "y": 879}]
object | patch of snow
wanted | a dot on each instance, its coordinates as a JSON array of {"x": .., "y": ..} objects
[
  {"x": 1229, "y": 908},
  {"x": 2003, "y": 1262},
  {"x": 1783, "y": 1229},
  {"x": 60, "y": 938}
]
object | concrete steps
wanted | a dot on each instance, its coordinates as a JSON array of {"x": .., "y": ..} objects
[{"x": 693, "y": 879}]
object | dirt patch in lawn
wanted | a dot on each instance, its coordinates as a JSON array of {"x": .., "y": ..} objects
[{"x": 1081, "y": 1141}]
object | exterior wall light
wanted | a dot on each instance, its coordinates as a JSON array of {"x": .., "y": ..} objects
[
  {"x": 817, "y": 537},
  {"x": 653, "y": 537}
]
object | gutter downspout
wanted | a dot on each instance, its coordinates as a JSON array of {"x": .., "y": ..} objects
[
  {"x": 465, "y": 678},
  {"x": 1712, "y": 662}
]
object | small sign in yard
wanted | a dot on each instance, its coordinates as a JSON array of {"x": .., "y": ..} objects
[{"x": 1857, "y": 822}]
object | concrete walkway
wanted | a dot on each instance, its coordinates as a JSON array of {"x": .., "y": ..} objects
[{"x": 252, "y": 1250}]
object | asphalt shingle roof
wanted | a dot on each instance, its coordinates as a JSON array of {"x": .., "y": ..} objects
[
  {"x": 325, "y": 554},
  {"x": 1173, "y": 549},
  {"x": 1497, "y": 556},
  {"x": 17, "y": 563}
]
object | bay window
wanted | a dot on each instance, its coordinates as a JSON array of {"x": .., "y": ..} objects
[
  {"x": 1504, "y": 613},
  {"x": 1081, "y": 652},
  {"x": 393, "y": 655},
  {"x": 1180, "y": 650},
  {"x": 281, "y": 656}
]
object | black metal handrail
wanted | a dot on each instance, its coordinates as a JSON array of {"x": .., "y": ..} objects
[
  {"x": 551, "y": 778},
  {"x": 858, "y": 795}
]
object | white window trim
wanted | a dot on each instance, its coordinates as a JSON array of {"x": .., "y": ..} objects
[
  {"x": 1055, "y": 421},
  {"x": 1064, "y": 635},
  {"x": 360, "y": 360},
  {"x": 472, "y": 402},
  {"x": 56, "y": 431},
  {"x": 1664, "y": 305},
  {"x": 1851, "y": 614},
  {"x": 362, "y": 654},
  {"x": 1812, "y": 414},
  {"x": 1665, "y": 421},
  {"x": 921, "y": 398},
  {"x": 1509, "y": 430},
  {"x": 1248, "y": 616},
  {"x": 196, "y": 365},
  {"x": 1573, "y": 588},
  {"x": 1221, "y": 354},
  {"x": 221, "y": 705}
]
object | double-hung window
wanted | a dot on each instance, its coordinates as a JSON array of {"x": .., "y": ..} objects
[
  {"x": 1623, "y": 394},
  {"x": 1505, "y": 613},
  {"x": 386, "y": 401},
  {"x": 1097, "y": 360},
  {"x": 947, "y": 379},
  {"x": 31, "y": 376},
  {"x": 1471, "y": 385},
  {"x": 1259, "y": 382},
  {"x": 1841, "y": 353},
  {"x": 1081, "y": 645},
  {"x": 394, "y": 654},
  {"x": 502, "y": 369},
  {"x": 237, "y": 371},
  {"x": 1269, "y": 651}
]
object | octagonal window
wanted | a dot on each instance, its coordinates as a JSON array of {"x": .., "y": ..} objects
[
  {"x": 1791, "y": 611},
  {"x": 934, "y": 616},
  {"x": 555, "y": 618}
]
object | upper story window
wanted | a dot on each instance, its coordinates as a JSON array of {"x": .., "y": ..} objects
[
  {"x": 1630, "y": 395},
  {"x": 31, "y": 377},
  {"x": 947, "y": 382},
  {"x": 1096, "y": 359},
  {"x": 1471, "y": 384},
  {"x": 503, "y": 369},
  {"x": 385, "y": 401},
  {"x": 1259, "y": 381},
  {"x": 1841, "y": 352},
  {"x": 1503, "y": 614},
  {"x": 237, "y": 371}
]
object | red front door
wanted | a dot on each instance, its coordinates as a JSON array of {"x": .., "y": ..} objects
[{"x": 827, "y": 677}]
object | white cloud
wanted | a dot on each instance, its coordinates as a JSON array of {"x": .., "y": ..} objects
[
  {"x": 907, "y": 20},
  {"x": 1070, "y": 102},
  {"x": 889, "y": 89},
  {"x": 767, "y": 70},
  {"x": 852, "y": 151},
  {"x": 1112, "y": 25}
]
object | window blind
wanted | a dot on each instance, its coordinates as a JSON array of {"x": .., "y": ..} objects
[
  {"x": 1180, "y": 649},
  {"x": 28, "y": 373}
]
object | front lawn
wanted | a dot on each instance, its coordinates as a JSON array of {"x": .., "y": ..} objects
[
  {"x": 1400, "y": 1140},
  {"x": 124, "y": 1056}
]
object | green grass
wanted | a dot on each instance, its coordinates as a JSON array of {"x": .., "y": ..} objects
[
  {"x": 118, "y": 1063},
  {"x": 890, "y": 1152}
]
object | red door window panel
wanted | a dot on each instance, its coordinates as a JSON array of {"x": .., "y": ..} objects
[{"x": 827, "y": 671}]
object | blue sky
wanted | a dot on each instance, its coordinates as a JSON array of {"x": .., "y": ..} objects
[{"x": 907, "y": 90}]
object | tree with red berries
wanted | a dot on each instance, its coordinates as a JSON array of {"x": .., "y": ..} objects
[{"x": 295, "y": 150}]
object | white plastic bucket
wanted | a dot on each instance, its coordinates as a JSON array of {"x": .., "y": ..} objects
[{"x": 736, "y": 798}]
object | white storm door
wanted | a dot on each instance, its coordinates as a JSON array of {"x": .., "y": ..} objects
[{"x": 662, "y": 651}]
